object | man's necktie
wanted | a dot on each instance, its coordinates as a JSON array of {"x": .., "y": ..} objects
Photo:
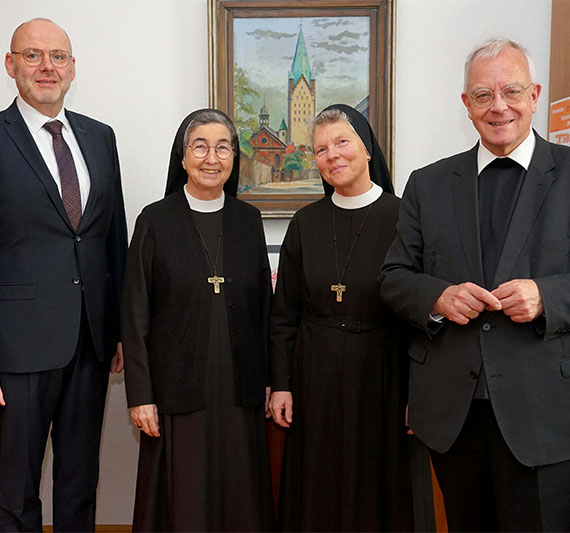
[{"x": 70, "y": 193}]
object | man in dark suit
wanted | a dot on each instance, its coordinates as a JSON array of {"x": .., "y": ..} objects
[
  {"x": 62, "y": 253},
  {"x": 481, "y": 267}
]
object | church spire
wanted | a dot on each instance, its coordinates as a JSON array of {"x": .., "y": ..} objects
[{"x": 301, "y": 65}]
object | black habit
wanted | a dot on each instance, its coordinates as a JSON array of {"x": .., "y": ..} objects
[
  {"x": 202, "y": 358},
  {"x": 345, "y": 465}
]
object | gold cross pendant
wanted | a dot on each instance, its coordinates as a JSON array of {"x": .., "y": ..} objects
[
  {"x": 216, "y": 281},
  {"x": 339, "y": 289}
]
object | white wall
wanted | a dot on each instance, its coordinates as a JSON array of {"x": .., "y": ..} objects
[
  {"x": 142, "y": 66},
  {"x": 433, "y": 37}
]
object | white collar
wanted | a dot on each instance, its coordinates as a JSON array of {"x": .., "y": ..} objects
[
  {"x": 205, "y": 206},
  {"x": 522, "y": 154},
  {"x": 35, "y": 120},
  {"x": 357, "y": 202}
]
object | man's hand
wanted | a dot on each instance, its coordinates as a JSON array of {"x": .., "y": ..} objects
[
  {"x": 281, "y": 405},
  {"x": 145, "y": 418},
  {"x": 460, "y": 303},
  {"x": 520, "y": 299},
  {"x": 2, "y": 401},
  {"x": 118, "y": 362}
]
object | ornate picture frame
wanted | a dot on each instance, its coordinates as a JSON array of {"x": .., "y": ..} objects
[{"x": 275, "y": 64}]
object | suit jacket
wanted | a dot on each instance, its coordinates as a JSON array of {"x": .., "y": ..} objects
[
  {"x": 167, "y": 305},
  {"x": 527, "y": 365},
  {"x": 46, "y": 268}
]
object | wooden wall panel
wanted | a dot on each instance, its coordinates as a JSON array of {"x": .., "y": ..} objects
[{"x": 559, "y": 51}]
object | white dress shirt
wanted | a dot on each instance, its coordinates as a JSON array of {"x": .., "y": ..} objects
[
  {"x": 522, "y": 154},
  {"x": 44, "y": 141}
]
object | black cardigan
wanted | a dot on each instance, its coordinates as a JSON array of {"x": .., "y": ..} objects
[{"x": 166, "y": 306}]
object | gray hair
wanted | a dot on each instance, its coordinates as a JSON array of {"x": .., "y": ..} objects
[
  {"x": 209, "y": 116},
  {"x": 492, "y": 48},
  {"x": 328, "y": 116}
]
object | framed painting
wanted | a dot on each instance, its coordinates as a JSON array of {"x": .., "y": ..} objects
[{"x": 275, "y": 64}]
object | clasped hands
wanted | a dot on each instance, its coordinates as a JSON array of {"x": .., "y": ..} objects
[{"x": 519, "y": 299}]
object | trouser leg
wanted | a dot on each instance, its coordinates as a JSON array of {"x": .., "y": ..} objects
[
  {"x": 464, "y": 476},
  {"x": 554, "y": 489},
  {"x": 515, "y": 486},
  {"x": 31, "y": 400},
  {"x": 76, "y": 436},
  {"x": 485, "y": 487}
]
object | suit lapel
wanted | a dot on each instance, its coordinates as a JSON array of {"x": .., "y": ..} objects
[
  {"x": 17, "y": 129},
  {"x": 466, "y": 204},
  {"x": 535, "y": 187},
  {"x": 86, "y": 146}
]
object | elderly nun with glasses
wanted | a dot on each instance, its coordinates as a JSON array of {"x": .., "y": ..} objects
[{"x": 194, "y": 325}]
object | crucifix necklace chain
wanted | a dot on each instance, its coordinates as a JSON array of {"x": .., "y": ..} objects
[
  {"x": 215, "y": 280},
  {"x": 339, "y": 288}
]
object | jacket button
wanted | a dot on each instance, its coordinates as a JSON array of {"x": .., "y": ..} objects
[
  {"x": 77, "y": 238},
  {"x": 473, "y": 374},
  {"x": 76, "y": 281},
  {"x": 486, "y": 327},
  {"x": 228, "y": 280}
]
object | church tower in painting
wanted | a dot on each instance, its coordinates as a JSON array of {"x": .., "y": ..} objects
[{"x": 301, "y": 95}]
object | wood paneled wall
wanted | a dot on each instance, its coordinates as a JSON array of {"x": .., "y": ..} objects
[{"x": 559, "y": 86}]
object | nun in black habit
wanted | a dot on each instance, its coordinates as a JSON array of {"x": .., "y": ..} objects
[
  {"x": 338, "y": 358},
  {"x": 194, "y": 323}
]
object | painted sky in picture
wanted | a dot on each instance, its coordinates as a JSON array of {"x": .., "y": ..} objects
[{"x": 338, "y": 52}]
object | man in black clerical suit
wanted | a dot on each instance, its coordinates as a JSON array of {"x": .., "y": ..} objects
[
  {"x": 62, "y": 253},
  {"x": 481, "y": 267}
]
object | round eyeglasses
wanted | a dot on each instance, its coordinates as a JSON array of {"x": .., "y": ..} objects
[
  {"x": 201, "y": 150},
  {"x": 511, "y": 94},
  {"x": 35, "y": 56}
]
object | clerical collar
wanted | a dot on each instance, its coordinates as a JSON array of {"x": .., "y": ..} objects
[
  {"x": 204, "y": 206},
  {"x": 35, "y": 120},
  {"x": 357, "y": 202},
  {"x": 522, "y": 154}
]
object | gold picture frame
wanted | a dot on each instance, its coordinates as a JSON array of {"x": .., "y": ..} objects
[{"x": 279, "y": 176}]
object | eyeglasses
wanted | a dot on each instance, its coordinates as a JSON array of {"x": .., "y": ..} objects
[
  {"x": 511, "y": 94},
  {"x": 201, "y": 150},
  {"x": 35, "y": 56}
]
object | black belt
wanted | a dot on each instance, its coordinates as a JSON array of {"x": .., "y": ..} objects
[{"x": 353, "y": 326}]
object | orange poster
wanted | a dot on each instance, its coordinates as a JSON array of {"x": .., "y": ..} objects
[{"x": 560, "y": 121}]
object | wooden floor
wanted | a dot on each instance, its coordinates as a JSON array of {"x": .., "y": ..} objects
[{"x": 110, "y": 528}]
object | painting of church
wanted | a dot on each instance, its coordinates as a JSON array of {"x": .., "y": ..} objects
[
  {"x": 279, "y": 64},
  {"x": 301, "y": 95},
  {"x": 268, "y": 145}
]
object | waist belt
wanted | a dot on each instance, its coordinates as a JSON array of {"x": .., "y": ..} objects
[{"x": 353, "y": 326}]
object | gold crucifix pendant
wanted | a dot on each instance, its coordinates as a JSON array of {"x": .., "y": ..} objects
[
  {"x": 216, "y": 281},
  {"x": 339, "y": 289}
]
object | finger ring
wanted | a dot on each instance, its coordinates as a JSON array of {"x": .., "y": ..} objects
[
  {"x": 471, "y": 313},
  {"x": 140, "y": 427}
]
